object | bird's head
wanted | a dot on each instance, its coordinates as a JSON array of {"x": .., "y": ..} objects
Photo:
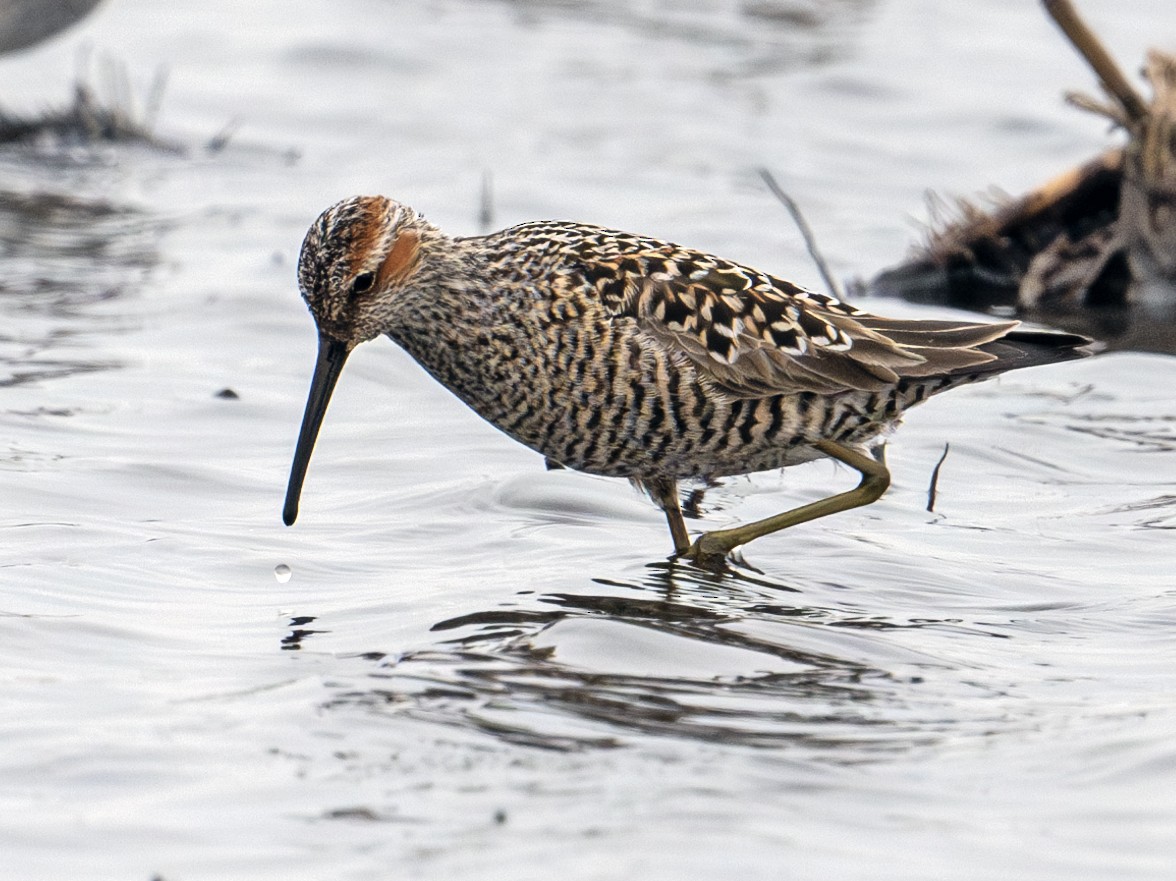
[{"x": 358, "y": 259}]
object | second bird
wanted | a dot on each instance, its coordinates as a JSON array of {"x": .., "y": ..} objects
[{"x": 627, "y": 356}]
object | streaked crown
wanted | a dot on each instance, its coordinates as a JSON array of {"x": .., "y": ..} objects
[{"x": 354, "y": 257}]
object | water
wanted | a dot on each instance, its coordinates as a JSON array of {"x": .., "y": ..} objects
[{"x": 458, "y": 664}]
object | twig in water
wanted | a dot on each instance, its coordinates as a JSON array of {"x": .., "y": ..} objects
[
  {"x": 933, "y": 489},
  {"x": 810, "y": 240},
  {"x": 221, "y": 139},
  {"x": 154, "y": 98},
  {"x": 486, "y": 209}
]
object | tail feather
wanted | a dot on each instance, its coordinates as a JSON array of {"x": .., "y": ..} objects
[
  {"x": 924, "y": 333},
  {"x": 971, "y": 350},
  {"x": 1031, "y": 348}
]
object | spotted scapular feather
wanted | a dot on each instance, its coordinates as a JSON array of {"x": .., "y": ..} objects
[{"x": 755, "y": 335}]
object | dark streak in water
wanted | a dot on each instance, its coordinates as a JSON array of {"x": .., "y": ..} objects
[
  {"x": 505, "y": 678},
  {"x": 63, "y": 255}
]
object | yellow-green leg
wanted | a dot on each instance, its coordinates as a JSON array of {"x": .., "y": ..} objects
[
  {"x": 712, "y": 547},
  {"x": 665, "y": 495}
]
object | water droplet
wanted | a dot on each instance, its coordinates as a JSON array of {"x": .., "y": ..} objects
[{"x": 283, "y": 573}]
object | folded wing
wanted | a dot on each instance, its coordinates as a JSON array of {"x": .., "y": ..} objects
[{"x": 754, "y": 335}]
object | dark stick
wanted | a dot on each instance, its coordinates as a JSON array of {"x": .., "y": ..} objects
[
  {"x": 486, "y": 209},
  {"x": 154, "y": 99},
  {"x": 933, "y": 489},
  {"x": 810, "y": 240},
  {"x": 1091, "y": 48}
]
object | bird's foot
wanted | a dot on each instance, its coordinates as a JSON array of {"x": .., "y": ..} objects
[{"x": 708, "y": 551}]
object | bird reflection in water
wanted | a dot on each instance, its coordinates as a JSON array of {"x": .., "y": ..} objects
[{"x": 679, "y": 653}]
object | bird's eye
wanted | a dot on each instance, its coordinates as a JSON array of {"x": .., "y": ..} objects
[{"x": 363, "y": 283}]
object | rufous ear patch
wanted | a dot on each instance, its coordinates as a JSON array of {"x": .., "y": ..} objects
[{"x": 401, "y": 260}]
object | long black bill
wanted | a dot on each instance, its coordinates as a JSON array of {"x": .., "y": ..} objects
[{"x": 332, "y": 354}]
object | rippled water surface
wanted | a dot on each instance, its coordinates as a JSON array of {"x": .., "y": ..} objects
[{"x": 460, "y": 665}]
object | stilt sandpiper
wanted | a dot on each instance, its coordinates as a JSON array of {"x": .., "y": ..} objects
[{"x": 627, "y": 356}]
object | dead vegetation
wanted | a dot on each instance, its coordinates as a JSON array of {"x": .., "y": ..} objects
[{"x": 1097, "y": 238}]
